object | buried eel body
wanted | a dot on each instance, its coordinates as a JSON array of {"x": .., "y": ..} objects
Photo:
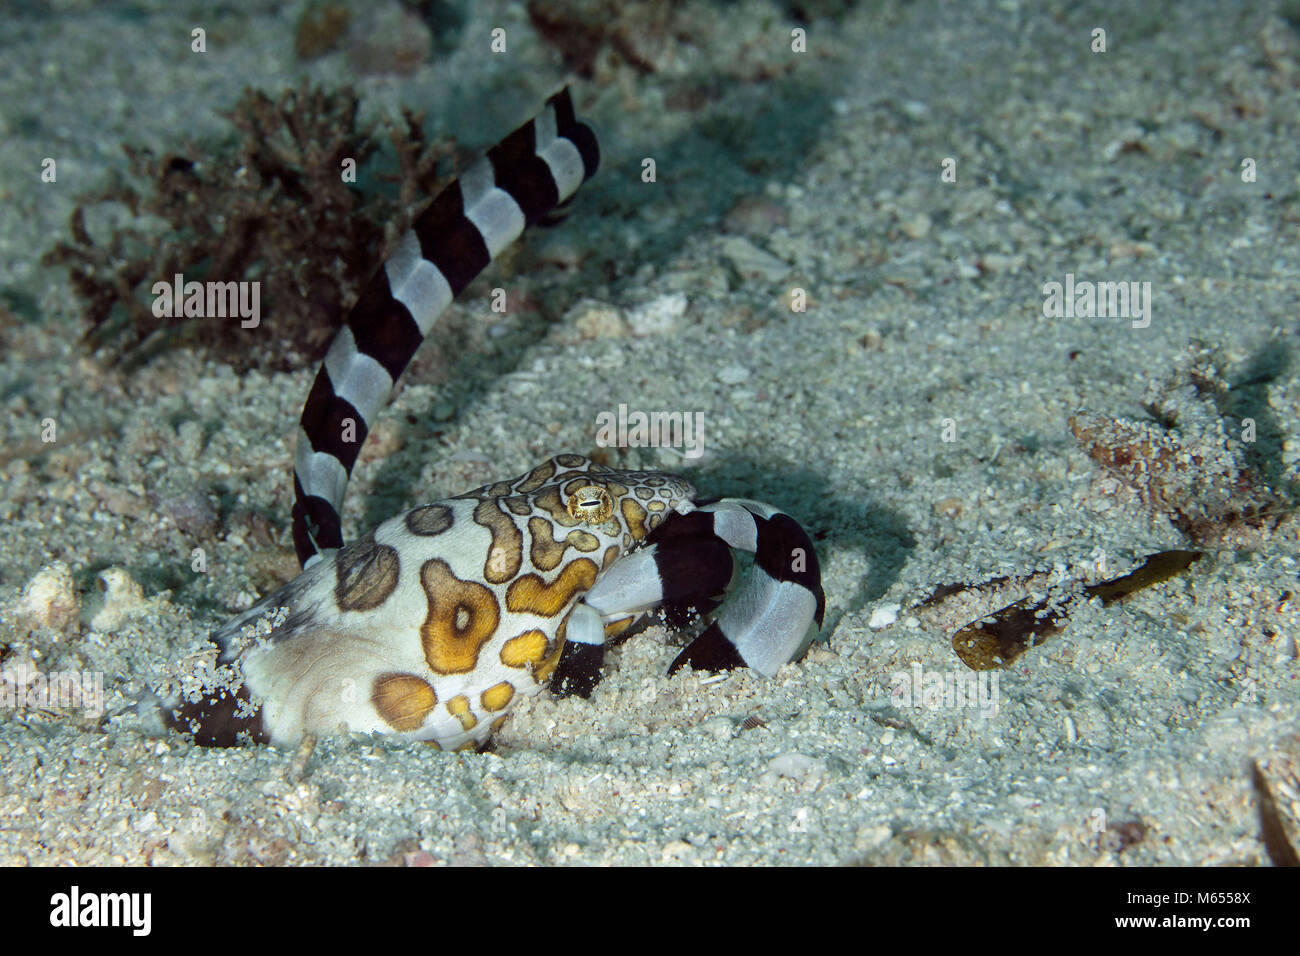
[{"x": 431, "y": 625}]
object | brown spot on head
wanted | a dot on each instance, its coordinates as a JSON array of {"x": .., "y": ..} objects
[
  {"x": 634, "y": 515},
  {"x": 403, "y": 700},
  {"x": 518, "y": 504},
  {"x": 531, "y": 595},
  {"x": 463, "y": 616},
  {"x": 497, "y": 489},
  {"x": 546, "y": 553},
  {"x": 611, "y": 555},
  {"x": 570, "y": 461},
  {"x": 506, "y": 554},
  {"x": 366, "y": 574},
  {"x": 548, "y": 501},
  {"x": 428, "y": 520},
  {"x": 536, "y": 478}
]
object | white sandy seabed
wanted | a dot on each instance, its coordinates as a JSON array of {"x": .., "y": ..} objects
[{"x": 1124, "y": 739}]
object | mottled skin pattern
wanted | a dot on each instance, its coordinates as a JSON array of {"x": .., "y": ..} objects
[{"x": 434, "y": 623}]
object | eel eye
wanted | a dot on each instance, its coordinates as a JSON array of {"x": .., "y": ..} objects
[{"x": 591, "y": 503}]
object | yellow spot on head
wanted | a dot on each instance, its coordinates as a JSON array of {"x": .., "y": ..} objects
[
  {"x": 547, "y": 668},
  {"x": 403, "y": 700},
  {"x": 635, "y": 516},
  {"x": 463, "y": 616},
  {"x": 529, "y": 595},
  {"x": 528, "y": 648},
  {"x": 458, "y": 707},
  {"x": 543, "y": 673},
  {"x": 498, "y": 696},
  {"x": 615, "y": 628}
]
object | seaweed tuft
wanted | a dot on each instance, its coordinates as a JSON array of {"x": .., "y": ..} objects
[{"x": 269, "y": 206}]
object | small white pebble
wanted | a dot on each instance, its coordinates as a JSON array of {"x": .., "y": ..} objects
[
  {"x": 733, "y": 374},
  {"x": 599, "y": 320},
  {"x": 123, "y": 597},
  {"x": 50, "y": 600},
  {"x": 751, "y": 261},
  {"x": 719, "y": 728},
  {"x": 796, "y": 766},
  {"x": 658, "y": 316},
  {"x": 677, "y": 849},
  {"x": 915, "y": 227},
  {"x": 883, "y": 616}
]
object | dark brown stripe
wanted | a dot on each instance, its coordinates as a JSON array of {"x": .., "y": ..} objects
[
  {"x": 579, "y": 134},
  {"x": 691, "y": 568},
  {"x": 323, "y": 420},
  {"x": 450, "y": 241},
  {"x": 694, "y": 525},
  {"x": 314, "y": 517},
  {"x": 711, "y": 651},
  {"x": 579, "y": 670},
  {"x": 778, "y": 538},
  {"x": 523, "y": 174},
  {"x": 383, "y": 328}
]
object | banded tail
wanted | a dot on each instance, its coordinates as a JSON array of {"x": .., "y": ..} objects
[{"x": 518, "y": 182}]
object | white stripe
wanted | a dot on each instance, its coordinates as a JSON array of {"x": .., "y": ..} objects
[
  {"x": 768, "y": 621},
  {"x": 417, "y": 283},
  {"x": 400, "y": 266},
  {"x": 492, "y": 210},
  {"x": 734, "y": 525},
  {"x": 585, "y": 626},
  {"x": 558, "y": 153},
  {"x": 319, "y": 473},
  {"x": 357, "y": 378},
  {"x": 476, "y": 182},
  {"x": 631, "y": 584},
  {"x": 565, "y": 163},
  {"x": 545, "y": 128}
]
